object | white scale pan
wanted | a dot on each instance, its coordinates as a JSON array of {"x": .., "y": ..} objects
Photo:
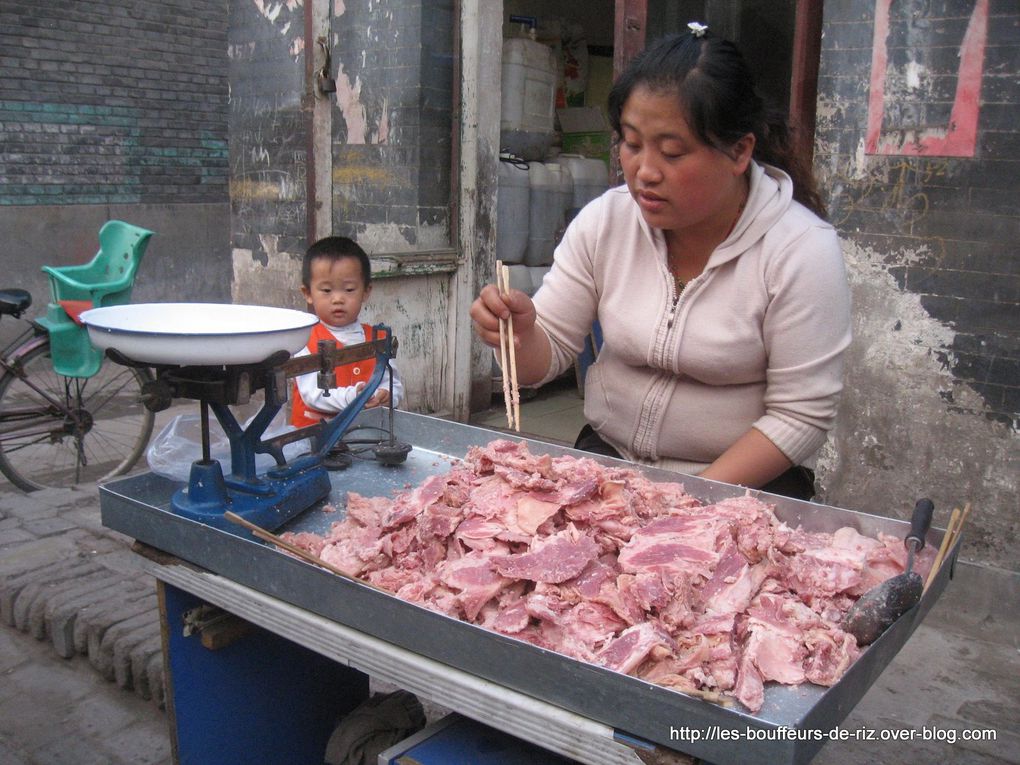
[{"x": 198, "y": 334}]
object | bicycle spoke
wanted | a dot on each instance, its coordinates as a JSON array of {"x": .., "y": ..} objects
[
  {"x": 110, "y": 440},
  {"x": 125, "y": 381},
  {"x": 100, "y": 432},
  {"x": 18, "y": 446}
]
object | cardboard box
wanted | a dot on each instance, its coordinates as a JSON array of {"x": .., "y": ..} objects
[
  {"x": 585, "y": 131},
  {"x": 582, "y": 119}
]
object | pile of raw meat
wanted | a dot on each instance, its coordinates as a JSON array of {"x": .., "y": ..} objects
[{"x": 606, "y": 566}]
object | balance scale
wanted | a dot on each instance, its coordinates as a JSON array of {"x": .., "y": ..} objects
[{"x": 222, "y": 354}]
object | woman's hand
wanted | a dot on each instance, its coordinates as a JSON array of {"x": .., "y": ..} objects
[
  {"x": 491, "y": 306},
  {"x": 532, "y": 350}
]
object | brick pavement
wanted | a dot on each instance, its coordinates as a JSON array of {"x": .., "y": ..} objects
[
  {"x": 80, "y": 647},
  {"x": 55, "y": 711}
]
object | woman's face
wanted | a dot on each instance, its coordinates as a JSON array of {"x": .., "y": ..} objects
[{"x": 678, "y": 181}]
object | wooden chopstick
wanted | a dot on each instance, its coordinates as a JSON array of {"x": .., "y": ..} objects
[
  {"x": 515, "y": 391},
  {"x": 956, "y": 521},
  {"x": 959, "y": 526},
  {"x": 503, "y": 360},
  {"x": 713, "y": 697},
  {"x": 508, "y": 355},
  {"x": 267, "y": 536},
  {"x": 947, "y": 538}
]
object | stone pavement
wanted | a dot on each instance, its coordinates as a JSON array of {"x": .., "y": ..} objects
[
  {"x": 56, "y": 711},
  {"x": 80, "y": 647},
  {"x": 81, "y": 675}
]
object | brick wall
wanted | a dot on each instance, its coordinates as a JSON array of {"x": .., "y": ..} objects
[
  {"x": 121, "y": 101},
  {"x": 916, "y": 145},
  {"x": 115, "y": 109}
]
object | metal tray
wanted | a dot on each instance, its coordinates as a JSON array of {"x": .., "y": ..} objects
[{"x": 140, "y": 507}]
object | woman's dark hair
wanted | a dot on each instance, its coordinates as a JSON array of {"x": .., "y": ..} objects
[
  {"x": 334, "y": 248},
  {"x": 716, "y": 91}
]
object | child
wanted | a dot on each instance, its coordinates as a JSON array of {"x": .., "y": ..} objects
[{"x": 335, "y": 280}]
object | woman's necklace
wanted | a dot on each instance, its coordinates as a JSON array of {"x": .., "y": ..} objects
[{"x": 680, "y": 284}]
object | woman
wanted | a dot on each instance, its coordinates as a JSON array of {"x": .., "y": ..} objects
[{"x": 720, "y": 290}]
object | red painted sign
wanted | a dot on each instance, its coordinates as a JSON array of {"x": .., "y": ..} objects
[{"x": 956, "y": 139}]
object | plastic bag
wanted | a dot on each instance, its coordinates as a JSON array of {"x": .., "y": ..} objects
[{"x": 172, "y": 451}]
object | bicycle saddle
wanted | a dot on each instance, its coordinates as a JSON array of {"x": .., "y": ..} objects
[{"x": 14, "y": 301}]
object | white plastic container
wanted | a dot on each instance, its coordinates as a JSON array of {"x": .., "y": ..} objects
[
  {"x": 546, "y": 213},
  {"x": 520, "y": 279},
  {"x": 528, "y": 95},
  {"x": 590, "y": 177},
  {"x": 566, "y": 196},
  {"x": 513, "y": 194},
  {"x": 537, "y": 275}
]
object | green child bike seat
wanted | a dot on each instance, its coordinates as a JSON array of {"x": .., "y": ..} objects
[{"x": 106, "y": 280}]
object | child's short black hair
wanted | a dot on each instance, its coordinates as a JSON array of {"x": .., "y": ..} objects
[{"x": 334, "y": 248}]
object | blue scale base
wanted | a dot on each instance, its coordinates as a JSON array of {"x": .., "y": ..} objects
[{"x": 268, "y": 503}]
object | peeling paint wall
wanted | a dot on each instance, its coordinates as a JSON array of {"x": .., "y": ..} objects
[
  {"x": 929, "y": 221},
  {"x": 387, "y": 166},
  {"x": 480, "y": 76},
  {"x": 268, "y": 142},
  {"x": 392, "y": 126},
  {"x": 417, "y": 308}
]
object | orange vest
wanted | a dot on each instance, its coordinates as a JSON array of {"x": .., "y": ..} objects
[{"x": 346, "y": 375}]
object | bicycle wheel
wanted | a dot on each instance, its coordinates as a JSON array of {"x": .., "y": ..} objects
[{"x": 83, "y": 430}]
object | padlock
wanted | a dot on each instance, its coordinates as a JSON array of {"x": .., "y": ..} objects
[
  {"x": 326, "y": 84},
  {"x": 323, "y": 81}
]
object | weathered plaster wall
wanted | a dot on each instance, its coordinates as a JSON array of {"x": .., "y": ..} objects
[
  {"x": 417, "y": 308},
  {"x": 481, "y": 64},
  {"x": 920, "y": 167},
  {"x": 387, "y": 170},
  {"x": 392, "y": 131},
  {"x": 269, "y": 133}
]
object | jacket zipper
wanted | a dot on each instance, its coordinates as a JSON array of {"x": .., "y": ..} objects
[{"x": 672, "y": 310}]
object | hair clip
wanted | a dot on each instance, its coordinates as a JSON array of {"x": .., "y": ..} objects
[{"x": 698, "y": 30}]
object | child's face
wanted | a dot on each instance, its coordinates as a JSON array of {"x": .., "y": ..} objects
[{"x": 336, "y": 291}]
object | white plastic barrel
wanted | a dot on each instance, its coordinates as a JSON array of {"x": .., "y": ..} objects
[
  {"x": 566, "y": 196},
  {"x": 520, "y": 279},
  {"x": 537, "y": 275},
  {"x": 590, "y": 177},
  {"x": 528, "y": 95},
  {"x": 546, "y": 213},
  {"x": 513, "y": 193}
]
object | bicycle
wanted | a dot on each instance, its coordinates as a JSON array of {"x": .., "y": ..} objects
[
  {"x": 57, "y": 431},
  {"x": 66, "y": 417}
]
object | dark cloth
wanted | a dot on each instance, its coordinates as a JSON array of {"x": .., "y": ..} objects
[
  {"x": 376, "y": 724},
  {"x": 590, "y": 441},
  {"x": 798, "y": 482}
]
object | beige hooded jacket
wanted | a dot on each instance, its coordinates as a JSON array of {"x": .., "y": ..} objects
[{"x": 756, "y": 340}]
